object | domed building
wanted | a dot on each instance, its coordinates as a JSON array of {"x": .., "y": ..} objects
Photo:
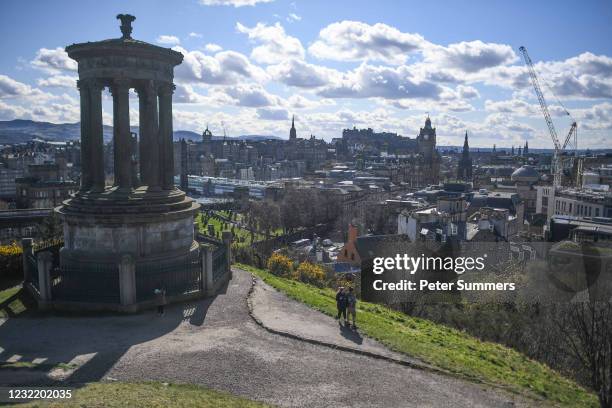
[
  {"x": 525, "y": 178},
  {"x": 525, "y": 174}
]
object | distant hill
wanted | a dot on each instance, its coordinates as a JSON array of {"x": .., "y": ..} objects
[{"x": 20, "y": 131}]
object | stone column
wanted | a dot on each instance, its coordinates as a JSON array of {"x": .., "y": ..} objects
[
  {"x": 26, "y": 247},
  {"x": 149, "y": 139},
  {"x": 165, "y": 135},
  {"x": 84, "y": 90},
  {"x": 227, "y": 241},
  {"x": 121, "y": 135},
  {"x": 206, "y": 252},
  {"x": 44, "y": 263},
  {"x": 127, "y": 280},
  {"x": 96, "y": 134}
]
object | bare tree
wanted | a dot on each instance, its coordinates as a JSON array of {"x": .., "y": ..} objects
[{"x": 587, "y": 329}]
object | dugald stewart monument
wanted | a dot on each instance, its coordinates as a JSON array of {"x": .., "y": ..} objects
[{"x": 123, "y": 241}]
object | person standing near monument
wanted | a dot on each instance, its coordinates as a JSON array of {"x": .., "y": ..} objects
[{"x": 161, "y": 300}]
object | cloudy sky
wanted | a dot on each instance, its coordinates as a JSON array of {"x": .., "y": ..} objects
[{"x": 251, "y": 64}]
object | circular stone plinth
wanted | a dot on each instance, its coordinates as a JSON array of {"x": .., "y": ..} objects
[
  {"x": 141, "y": 223},
  {"x": 136, "y": 206}
]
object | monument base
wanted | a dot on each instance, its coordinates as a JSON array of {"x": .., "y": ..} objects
[{"x": 119, "y": 248}]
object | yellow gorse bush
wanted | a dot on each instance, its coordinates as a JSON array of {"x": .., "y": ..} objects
[
  {"x": 10, "y": 260},
  {"x": 310, "y": 273},
  {"x": 280, "y": 265}
]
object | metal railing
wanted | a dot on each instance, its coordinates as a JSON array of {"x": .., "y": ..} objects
[
  {"x": 177, "y": 277},
  {"x": 91, "y": 283}
]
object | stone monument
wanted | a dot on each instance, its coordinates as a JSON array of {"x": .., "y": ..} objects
[{"x": 140, "y": 219}]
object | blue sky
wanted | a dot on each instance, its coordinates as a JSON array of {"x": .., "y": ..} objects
[{"x": 334, "y": 64}]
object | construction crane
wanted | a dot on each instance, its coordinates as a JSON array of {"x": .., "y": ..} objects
[
  {"x": 224, "y": 131},
  {"x": 572, "y": 137}
]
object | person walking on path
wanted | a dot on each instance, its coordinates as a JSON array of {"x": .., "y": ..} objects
[
  {"x": 341, "y": 303},
  {"x": 161, "y": 300},
  {"x": 351, "y": 305}
]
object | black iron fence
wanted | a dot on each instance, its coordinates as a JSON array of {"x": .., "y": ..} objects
[
  {"x": 32, "y": 266},
  {"x": 53, "y": 246},
  {"x": 91, "y": 283},
  {"x": 177, "y": 277}
]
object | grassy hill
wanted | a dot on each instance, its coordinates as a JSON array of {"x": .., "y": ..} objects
[{"x": 446, "y": 348}]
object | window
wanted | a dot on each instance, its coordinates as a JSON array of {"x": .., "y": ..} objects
[{"x": 597, "y": 212}]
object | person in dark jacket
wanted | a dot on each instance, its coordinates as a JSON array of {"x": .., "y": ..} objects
[
  {"x": 160, "y": 295},
  {"x": 351, "y": 306},
  {"x": 341, "y": 303}
]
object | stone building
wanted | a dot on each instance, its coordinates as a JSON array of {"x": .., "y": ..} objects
[
  {"x": 45, "y": 186},
  {"x": 525, "y": 179}
]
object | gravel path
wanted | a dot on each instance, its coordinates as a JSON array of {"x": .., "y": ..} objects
[
  {"x": 282, "y": 315},
  {"x": 215, "y": 343}
]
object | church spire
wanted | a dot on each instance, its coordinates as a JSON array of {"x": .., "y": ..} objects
[
  {"x": 464, "y": 170},
  {"x": 292, "y": 132}
]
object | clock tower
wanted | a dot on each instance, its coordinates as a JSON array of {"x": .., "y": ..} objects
[{"x": 426, "y": 141}]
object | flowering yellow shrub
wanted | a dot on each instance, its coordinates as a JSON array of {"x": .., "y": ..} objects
[
  {"x": 10, "y": 261},
  {"x": 280, "y": 265},
  {"x": 311, "y": 273}
]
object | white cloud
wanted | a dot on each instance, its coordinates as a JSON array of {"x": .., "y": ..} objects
[
  {"x": 235, "y": 3},
  {"x": 597, "y": 117},
  {"x": 470, "y": 56},
  {"x": 9, "y": 112},
  {"x": 586, "y": 76},
  {"x": 194, "y": 35},
  {"x": 302, "y": 74},
  {"x": 41, "y": 111},
  {"x": 11, "y": 88},
  {"x": 512, "y": 106},
  {"x": 58, "y": 81},
  {"x": 53, "y": 60},
  {"x": 211, "y": 47},
  {"x": 297, "y": 101},
  {"x": 251, "y": 95},
  {"x": 293, "y": 17},
  {"x": 272, "y": 113},
  {"x": 384, "y": 82},
  {"x": 185, "y": 93},
  {"x": 507, "y": 123},
  {"x": 226, "y": 67},
  {"x": 356, "y": 41},
  {"x": 168, "y": 40},
  {"x": 275, "y": 45},
  {"x": 467, "y": 92}
]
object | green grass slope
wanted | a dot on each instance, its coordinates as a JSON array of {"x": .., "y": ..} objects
[{"x": 444, "y": 347}]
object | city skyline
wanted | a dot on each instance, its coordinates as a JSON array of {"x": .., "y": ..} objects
[{"x": 253, "y": 64}]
